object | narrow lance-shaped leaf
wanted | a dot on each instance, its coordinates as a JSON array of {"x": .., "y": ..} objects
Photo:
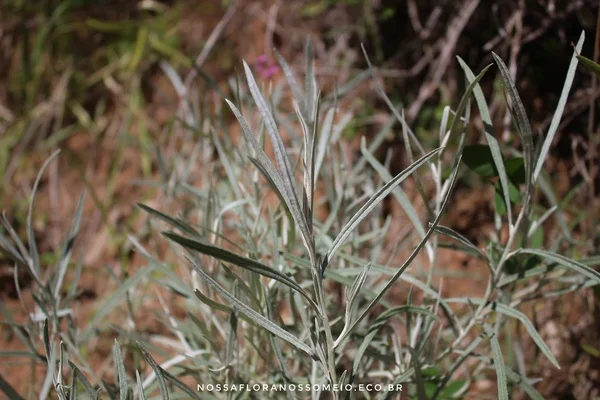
[
  {"x": 243, "y": 262},
  {"x": 414, "y": 253},
  {"x": 118, "y": 360},
  {"x": 78, "y": 377},
  {"x": 398, "y": 193},
  {"x": 287, "y": 177},
  {"x": 323, "y": 142},
  {"x": 182, "y": 386},
  {"x": 576, "y": 266},
  {"x": 559, "y": 108},
  {"x": 498, "y": 363},
  {"x": 311, "y": 86},
  {"x": 511, "y": 312},
  {"x": 280, "y": 152},
  {"x": 522, "y": 122},
  {"x": 486, "y": 118},
  {"x": 33, "y": 251},
  {"x": 211, "y": 303},
  {"x": 140, "y": 388},
  {"x": 68, "y": 246},
  {"x": 291, "y": 79},
  {"x": 283, "y": 191},
  {"x": 176, "y": 223},
  {"x": 250, "y": 313},
  {"x": 460, "y": 238},
  {"x": 589, "y": 64},
  {"x": 370, "y": 205},
  {"x": 157, "y": 370}
]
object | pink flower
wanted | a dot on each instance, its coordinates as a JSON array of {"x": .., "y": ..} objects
[{"x": 266, "y": 68}]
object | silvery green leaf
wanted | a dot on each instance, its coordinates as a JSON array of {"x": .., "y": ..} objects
[
  {"x": 576, "y": 266},
  {"x": 523, "y": 382},
  {"x": 291, "y": 79},
  {"x": 284, "y": 190},
  {"x": 324, "y": 138},
  {"x": 310, "y": 84},
  {"x": 280, "y": 152},
  {"x": 370, "y": 205},
  {"x": 140, "y": 388},
  {"x": 65, "y": 256},
  {"x": 33, "y": 251},
  {"x": 182, "y": 386},
  {"x": 498, "y": 362},
  {"x": 250, "y": 313},
  {"x": 241, "y": 261},
  {"x": 122, "y": 376},
  {"x": 559, "y": 108},
  {"x": 522, "y": 122},
  {"x": 413, "y": 255},
  {"x": 511, "y": 312},
  {"x": 398, "y": 193},
  {"x": 78, "y": 377},
  {"x": 488, "y": 129},
  {"x": 211, "y": 303},
  {"x": 174, "y": 222},
  {"x": 157, "y": 370},
  {"x": 451, "y": 233}
]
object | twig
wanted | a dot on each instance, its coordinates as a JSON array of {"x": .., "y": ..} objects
[
  {"x": 446, "y": 47},
  {"x": 212, "y": 39}
]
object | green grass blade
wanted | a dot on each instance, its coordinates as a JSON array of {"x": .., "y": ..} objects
[{"x": 559, "y": 108}]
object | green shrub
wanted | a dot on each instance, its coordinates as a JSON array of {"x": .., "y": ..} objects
[{"x": 260, "y": 282}]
